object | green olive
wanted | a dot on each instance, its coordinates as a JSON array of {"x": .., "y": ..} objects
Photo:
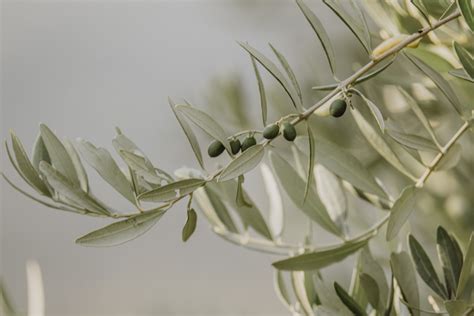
[
  {"x": 289, "y": 132},
  {"x": 235, "y": 146},
  {"x": 271, "y": 131},
  {"x": 248, "y": 142},
  {"x": 338, "y": 107},
  {"x": 215, "y": 149}
]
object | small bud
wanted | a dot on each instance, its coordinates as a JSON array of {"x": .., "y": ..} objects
[
  {"x": 289, "y": 132},
  {"x": 248, "y": 142},
  {"x": 338, "y": 108},
  {"x": 215, "y": 149},
  {"x": 235, "y": 146},
  {"x": 271, "y": 131}
]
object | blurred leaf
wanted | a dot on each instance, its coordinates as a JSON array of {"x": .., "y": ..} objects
[
  {"x": 273, "y": 70},
  {"x": 374, "y": 110},
  {"x": 320, "y": 32},
  {"x": 450, "y": 159},
  {"x": 59, "y": 156},
  {"x": 402, "y": 269},
  {"x": 350, "y": 303},
  {"x": 6, "y": 306},
  {"x": 280, "y": 289},
  {"x": 371, "y": 290},
  {"x": 240, "y": 199},
  {"x": 73, "y": 192},
  {"x": 466, "y": 9},
  {"x": 450, "y": 260},
  {"x": 276, "y": 218},
  {"x": 101, "y": 160},
  {"x": 419, "y": 5},
  {"x": 465, "y": 58},
  {"x": 356, "y": 291},
  {"x": 467, "y": 268},
  {"x": 123, "y": 231},
  {"x": 310, "y": 172},
  {"x": 412, "y": 141},
  {"x": 319, "y": 259},
  {"x": 219, "y": 208},
  {"x": 370, "y": 267},
  {"x": 189, "y": 134},
  {"x": 261, "y": 91},
  {"x": 298, "y": 282},
  {"x": 247, "y": 161},
  {"x": 294, "y": 187},
  {"x": 78, "y": 166},
  {"x": 40, "y": 153},
  {"x": 190, "y": 225},
  {"x": 26, "y": 167},
  {"x": 461, "y": 74},
  {"x": 424, "y": 267},
  {"x": 457, "y": 307},
  {"x": 172, "y": 191},
  {"x": 400, "y": 211},
  {"x": 450, "y": 9}
]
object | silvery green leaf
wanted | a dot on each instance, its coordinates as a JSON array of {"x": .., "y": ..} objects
[
  {"x": 461, "y": 74},
  {"x": 370, "y": 267},
  {"x": 360, "y": 31},
  {"x": 458, "y": 307},
  {"x": 449, "y": 10},
  {"x": 467, "y": 268},
  {"x": 59, "y": 156},
  {"x": 355, "y": 290},
  {"x": 280, "y": 289},
  {"x": 466, "y": 59},
  {"x": 451, "y": 158},
  {"x": 78, "y": 166},
  {"x": 290, "y": 73},
  {"x": 214, "y": 202},
  {"x": 320, "y": 32},
  {"x": 261, "y": 91},
  {"x": 141, "y": 165},
  {"x": 69, "y": 190},
  {"x": 240, "y": 198},
  {"x": 294, "y": 187},
  {"x": 123, "y": 231},
  {"x": 40, "y": 153},
  {"x": 402, "y": 269},
  {"x": 371, "y": 290},
  {"x": 400, "y": 211},
  {"x": 420, "y": 6},
  {"x": 374, "y": 110},
  {"x": 26, "y": 167},
  {"x": 298, "y": 282},
  {"x": 465, "y": 6},
  {"x": 273, "y": 70},
  {"x": 189, "y": 134},
  {"x": 276, "y": 218},
  {"x": 310, "y": 168},
  {"x": 348, "y": 301},
  {"x": 247, "y": 161},
  {"x": 205, "y": 122},
  {"x": 319, "y": 259},
  {"x": 101, "y": 160},
  {"x": 378, "y": 143},
  {"x": 190, "y": 225},
  {"x": 450, "y": 258},
  {"x": 438, "y": 80},
  {"x": 424, "y": 267},
  {"x": 172, "y": 190},
  {"x": 412, "y": 141}
]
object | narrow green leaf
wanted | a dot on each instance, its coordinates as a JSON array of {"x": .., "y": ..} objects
[
  {"x": 310, "y": 174},
  {"x": 350, "y": 303},
  {"x": 190, "y": 225},
  {"x": 374, "y": 110},
  {"x": 320, "y": 259},
  {"x": 219, "y": 208},
  {"x": 273, "y": 70},
  {"x": 412, "y": 141},
  {"x": 280, "y": 289},
  {"x": 449, "y": 10},
  {"x": 276, "y": 219},
  {"x": 466, "y": 59},
  {"x": 294, "y": 186},
  {"x": 461, "y": 74},
  {"x": 101, "y": 160},
  {"x": 240, "y": 198},
  {"x": 298, "y": 282},
  {"x": 204, "y": 122},
  {"x": 457, "y": 307},
  {"x": 172, "y": 191},
  {"x": 467, "y": 268},
  {"x": 123, "y": 231},
  {"x": 419, "y": 5},
  {"x": 451, "y": 158},
  {"x": 370, "y": 267},
  {"x": 355, "y": 289},
  {"x": 73, "y": 192},
  {"x": 59, "y": 156},
  {"x": 142, "y": 167},
  {"x": 78, "y": 166},
  {"x": 465, "y": 6},
  {"x": 247, "y": 161},
  {"x": 189, "y": 134},
  {"x": 26, "y": 167},
  {"x": 40, "y": 153},
  {"x": 449, "y": 258},
  {"x": 290, "y": 73},
  {"x": 261, "y": 91},
  {"x": 438, "y": 80},
  {"x": 400, "y": 212},
  {"x": 371, "y": 290},
  {"x": 402, "y": 269},
  {"x": 425, "y": 269},
  {"x": 320, "y": 32}
]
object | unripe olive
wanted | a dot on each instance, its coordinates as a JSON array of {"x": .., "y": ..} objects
[
  {"x": 271, "y": 131},
  {"x": 248, "y": 142},
  {"x": 215, "y": 149},
  {"x": 338, "y": 107},
  {"x": 235, "y": 146},
  {"x": 289, "y": 132}
]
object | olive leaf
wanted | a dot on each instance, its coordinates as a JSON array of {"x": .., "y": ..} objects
[
  {"x": 400, "y": 211},
  {"x": 261, "y": 91},
  {"x": 319, "y": 259},
  {"x": 276, "y": 218},
  {"x": 172, "y": 190},
  {"x": 240, "y": 198},
  {"x": 311, "y": 162},
  {"x": 457, "y": 307},
  {"x": 26, "y": 167},
  {"x": 467, "y": 268},
  {"x": 356, "y": 290},
  {"x": 190, "y": 225},
  {"x": 371, "y": 290},
  {"x": 273, "y": 70},
  {"x": 373, "y": 109},
  {"x": 450, "y": 159},
  {"x": 40, "y": 153},
  {"x": 420, "y": 6},
  {"x": 71, "y": 191},
  {"x": 402, "y": 269},
  {"x": 247, "y": 161},
  {"x": 78, "y": 166},
  {"x": 60, "y": 158},
  {"x": 424, "y": 267},
  {"x": 466, "y": 59},
  {"x": 294, "y": 187},
  {"x": 320, "y": 33},
  {"x": 451, "y": 259},
  {"x": 465, "y": 6},
  {"x": 214, "y": 202},
  {"x": 123, "y": 231},
  {"x": 204, "y": 122},
  {"x": 100, "y": 159},
  {"x": 280, "y": 288},
  {"x": 189, "y": 133},
  {"x": 348, "y": 301},
  {"x": 142, "y": 167},
  {"x": 374, "y": 272},
  {"x": 298, "y": 282},
  {"x": 412, "y": 141},
  {"x": 461, "y": 74}
]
